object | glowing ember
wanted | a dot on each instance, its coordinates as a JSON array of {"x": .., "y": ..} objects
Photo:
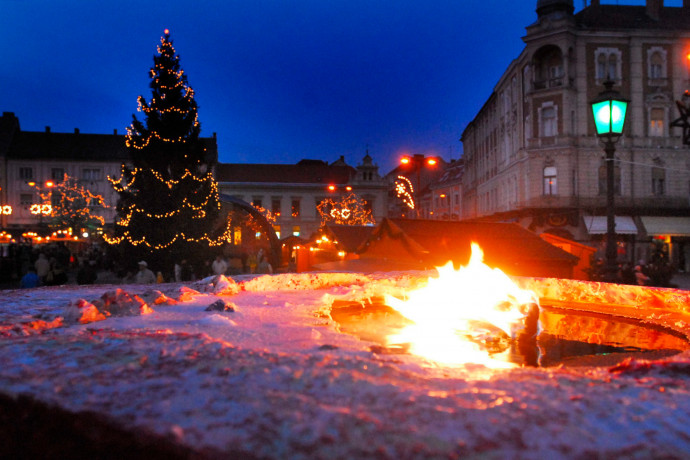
[{"x": 465, "y": 315}]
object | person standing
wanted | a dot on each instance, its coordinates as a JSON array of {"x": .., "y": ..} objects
[
  {"x": 42, "y": 266},
  {"x": 640, "y": 277},
  {"x": 144, "y": 275},
  {"x": 219, "y": 266}
]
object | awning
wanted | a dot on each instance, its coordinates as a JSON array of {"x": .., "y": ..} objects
[
  {"x": 596, "y": 225},
  {"x": 672, "y": 226}
]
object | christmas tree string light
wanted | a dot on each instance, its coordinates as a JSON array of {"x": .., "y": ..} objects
[
  {"x": 71, "y": 205},
  {"x": 169, "y": 198}
]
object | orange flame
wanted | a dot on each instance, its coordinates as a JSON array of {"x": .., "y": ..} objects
[{"x": 453, "y": 313}]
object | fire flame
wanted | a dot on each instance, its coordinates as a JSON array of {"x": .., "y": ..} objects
[{"x": 458, "y": 313}]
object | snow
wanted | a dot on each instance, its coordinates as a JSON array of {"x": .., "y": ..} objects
[{"x": 277, "y": 379}]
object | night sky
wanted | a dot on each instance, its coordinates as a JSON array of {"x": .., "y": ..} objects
[{"x": 276, "y": 80}]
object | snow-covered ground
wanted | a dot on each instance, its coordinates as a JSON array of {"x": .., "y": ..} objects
[{"x": 277, "y": 379}]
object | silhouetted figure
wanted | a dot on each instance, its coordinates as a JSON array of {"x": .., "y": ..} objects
[{"x": 29, "y": 280}]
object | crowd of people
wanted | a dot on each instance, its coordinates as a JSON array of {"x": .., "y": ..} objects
[
  {"x": 28, "y": 266},
  {"x": 657, "y": 272}
]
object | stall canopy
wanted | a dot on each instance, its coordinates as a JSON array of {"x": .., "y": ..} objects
[
  {"x": 597, "y": 225},
  {"x": 673, "y": 226}
]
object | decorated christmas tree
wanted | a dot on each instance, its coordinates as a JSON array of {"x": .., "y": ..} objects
[
  {"x": 168, "y": 199},
  {"x": 74, "y": 207}
]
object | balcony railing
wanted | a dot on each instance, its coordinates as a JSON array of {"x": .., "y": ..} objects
[{"x": 549, "y": 83}]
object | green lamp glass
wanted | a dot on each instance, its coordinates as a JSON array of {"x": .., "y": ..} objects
[{"x": 609, "y": 110}]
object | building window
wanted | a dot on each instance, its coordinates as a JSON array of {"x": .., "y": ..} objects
[
  {"x": 550, "y": 181},
  {"x": 26, "y": 199},
  {"x": 56, "y": 199},
  {"x": 295, "y": 209},
  {"x": 26, "y": 173},
  {"x": 91, "y": 174},
  {"x": 656, "y": 63},
  {"x": 658, "y": 181},
  {"x": 237, "y": 236},
  {"x": 296, "y": 230},
  {"x": 548, "y": 121},
  {"x": 257, "y": 202},
  {"x": 656, "y": 122},
  {"x": 613, "y": 67},
  {"x": 616, "y": 179},
  {"x": 601, "y": 67},
  {"x": 57, "y": 174},
  {"x": 276, "y": 228},
  {"x": 275, "y": 207},
  {"x": 608, "y": 63}
]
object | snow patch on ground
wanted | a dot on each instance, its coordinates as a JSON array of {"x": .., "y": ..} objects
[{"x": 277, "y": 379}]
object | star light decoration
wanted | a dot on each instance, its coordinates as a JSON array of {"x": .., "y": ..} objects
[
  {"x": 405, "y": 191},
  {"x": 682, "y": 121},
  {"x": 349, "y": 210}
]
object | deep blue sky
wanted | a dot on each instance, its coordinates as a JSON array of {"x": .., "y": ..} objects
[{"x": 276, "y": 80}]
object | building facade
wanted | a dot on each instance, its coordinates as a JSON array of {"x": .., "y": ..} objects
[
  {"x": 531, "y": 153},
  {"x": 293, "y": 192},
  {"x": 445, "y": 195},
  {"x": 409, "y": 186}
]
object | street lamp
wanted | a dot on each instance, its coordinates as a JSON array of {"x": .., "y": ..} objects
[{"x": 609, "y": 109}]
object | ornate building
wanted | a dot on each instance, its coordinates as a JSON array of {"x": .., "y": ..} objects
[{"x": 531, "y": 153}]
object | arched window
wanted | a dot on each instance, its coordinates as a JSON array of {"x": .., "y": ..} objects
[
  {"x": 616, "y": 179},
  {"x": 656, "y": 63},
  {"x": 601, "y": 67},
  {"x": 613, "y": 67},
  {"x": 608, "y": 64},
  {"x": 550, "y": 181},
  {"x": 655, "y": 66}
]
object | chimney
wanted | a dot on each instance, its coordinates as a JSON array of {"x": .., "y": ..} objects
[
  {"x": 594, "y": 3},
  {"x": 76, "y": 130},
  {"x": 654, "y": 8},
  {"x": 47, "y": 129},
  {"x": 115, "y": 132}
]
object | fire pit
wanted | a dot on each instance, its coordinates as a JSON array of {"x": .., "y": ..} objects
[
  {"x": 566, "y": 337},
  {"x": 479, "y": 315}
]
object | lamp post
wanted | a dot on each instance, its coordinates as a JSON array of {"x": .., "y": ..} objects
[
  {"x": 417, "y": 161},
  {"x": 609, "y": 109}
]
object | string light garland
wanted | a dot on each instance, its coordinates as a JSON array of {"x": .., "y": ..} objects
[
  {"x": 166, "y": 78},
  {"x": 348, "y": 210},
  {"x": 405, "y": 191},
  {"x": 167, "y": 197},
  {"x": 72, "y": 205},
  {"x": 41, "y": 209},
  {"x": 270, "y": 217}
]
